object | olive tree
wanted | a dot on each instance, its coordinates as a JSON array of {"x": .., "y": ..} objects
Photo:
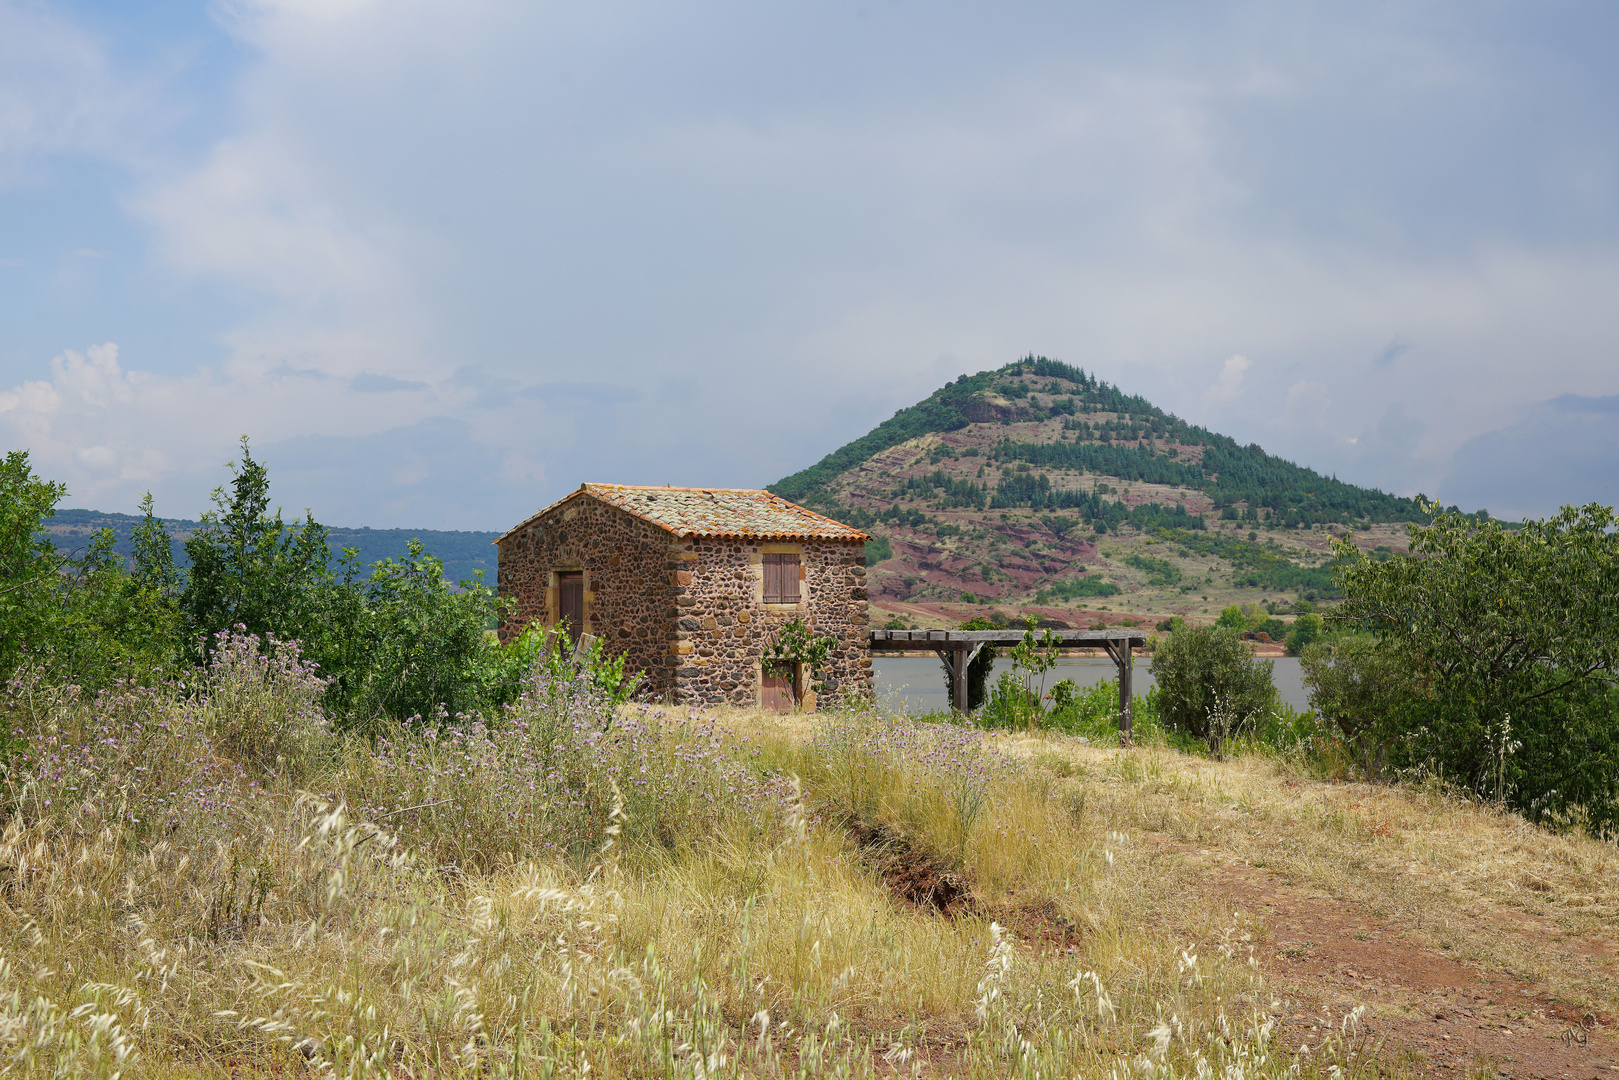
[{"x": 1210, "y": 685}]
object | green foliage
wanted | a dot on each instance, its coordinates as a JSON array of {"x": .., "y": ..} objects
[
  {"x": 939, "y": 412},
  {"x": 76, "y": 615},
  {"x": 1159, "y": 571},
  {"x": 1209, "y": 685},
  {"x": 603, "y": 674},
  {"x": 1291, "y": 495},
  {"x": 415, "y": 644},
  {"x": 397, "y": 642},
  {"x": 1358, "y": 687},
  {"x": 878, "y": 549},
  {"x": 1305, "y": 632},
  {"x": 250, "y": 569},
  {"x": 1257, "y": 566},
  {"x": 111, "y": 624},
  {"x": 29, "y": 563},
  {"x": 1136, "y": 464},
  {"x": 1510, "y": 652},
  {"x": 153, "y": 554},
  {"x": 796, "y": 647},
  {"x": 946, "y": 490},
  {"x": 1075, "y": 588},
  {"x": 1016, "y": 700},
  {"x": 1275, "y": 629},
  {"x": 499, "y": 672}
]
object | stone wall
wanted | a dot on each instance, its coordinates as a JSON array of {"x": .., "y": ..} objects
[
  {"x": 725, "y": 625},
  {"x": 628, "y": 600},
  {"x": 690, "y": 615}
]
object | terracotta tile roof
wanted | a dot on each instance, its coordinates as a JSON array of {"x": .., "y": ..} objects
[{"x": 718, "y": 512}]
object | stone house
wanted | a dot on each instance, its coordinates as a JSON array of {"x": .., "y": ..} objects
[{"x": 692, "y": 585}]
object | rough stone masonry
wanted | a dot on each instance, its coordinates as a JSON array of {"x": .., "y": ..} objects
[{"x": 674, "y": 579}]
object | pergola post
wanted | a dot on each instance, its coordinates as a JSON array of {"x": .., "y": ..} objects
[{"x": 1126, "y": 692}]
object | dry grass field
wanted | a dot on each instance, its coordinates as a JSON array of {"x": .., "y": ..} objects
[{"x": 570, "y": 893}]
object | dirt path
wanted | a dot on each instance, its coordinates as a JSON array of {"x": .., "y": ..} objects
[{"x": 1430, "y": 1012}]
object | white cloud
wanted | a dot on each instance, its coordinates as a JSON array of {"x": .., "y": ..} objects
[
  {"x": 576, "y": 240},
  {"x": 1229, "y": 384}
]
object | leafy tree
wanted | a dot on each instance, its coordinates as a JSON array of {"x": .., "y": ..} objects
[
  {"x": 154, "y": 554},
  {"x": 29, "y": 563},
  {"x": 250, "y": 569},
  {"x": 112, "y": 624},
  {"x": 1306, "y": 630},
  {"x": 1209, "y": 685},
  {"x": 79, "y": 615},
  {"x": 797, "y": 649},
  {"x": 1510, "y": 642},
  {"x": 1015, "y": 700},
  {"x": 423, "y": 639},
  {"x": 1358, "y": 687}
]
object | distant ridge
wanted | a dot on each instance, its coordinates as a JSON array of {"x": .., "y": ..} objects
[{"x": 464, "y": 554}]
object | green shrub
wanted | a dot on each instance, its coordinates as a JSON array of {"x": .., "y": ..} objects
[
  {"x": 1076, "y": 588},
  {"x": 1209, "y": 685},
  {"x": 1306, "y": 630},
  {"x": 421, "y": 640},
  {"x": 1159, "y": 571}
]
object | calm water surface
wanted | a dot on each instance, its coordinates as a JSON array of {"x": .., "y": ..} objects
[{"x": 916, "y": 683}]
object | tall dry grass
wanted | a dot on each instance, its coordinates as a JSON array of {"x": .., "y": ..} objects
[{"x": 566, "y": 890}]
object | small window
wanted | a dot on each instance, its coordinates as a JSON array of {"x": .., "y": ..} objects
[{"x": 781, "y": 578}]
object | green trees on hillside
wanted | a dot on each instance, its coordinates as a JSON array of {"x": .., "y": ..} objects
[
  {"x": 72, "y": 611},
  {"x": 1290, "y": 495}
]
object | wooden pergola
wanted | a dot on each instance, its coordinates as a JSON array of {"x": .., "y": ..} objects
[{"x": 957, "y": 648}]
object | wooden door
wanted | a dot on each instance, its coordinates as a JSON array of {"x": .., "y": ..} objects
[
  {"x": 776, "y": 693},
  {"x": 780, "y": 693},
  {"x": 571, "y": 602}
]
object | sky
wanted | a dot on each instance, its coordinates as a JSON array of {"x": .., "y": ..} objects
[{"x": 441, "y": 262}]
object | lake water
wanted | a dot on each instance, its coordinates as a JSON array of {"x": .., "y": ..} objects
[{"x": 916, "y": 683}]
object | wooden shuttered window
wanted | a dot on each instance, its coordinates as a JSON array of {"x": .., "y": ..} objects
[{"x": 781, "y": 578}]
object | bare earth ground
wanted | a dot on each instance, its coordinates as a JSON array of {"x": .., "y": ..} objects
[
  {"x": 1479, "y": 945},
  {"x": 1444, "y": 1016}
]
